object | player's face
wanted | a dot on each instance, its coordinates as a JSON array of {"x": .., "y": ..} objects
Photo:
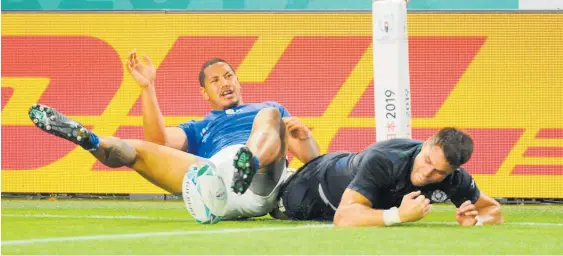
[
  {"x": 222, "y": 88},
  {"x": 430, "y": 165}
]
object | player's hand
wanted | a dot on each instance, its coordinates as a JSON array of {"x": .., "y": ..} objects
[
  {"x": 143, "y": 74},
  {"x": 414, "y": 207},
  {"x": 466, "y": 213},
  {"x": 296, "y": 128}
]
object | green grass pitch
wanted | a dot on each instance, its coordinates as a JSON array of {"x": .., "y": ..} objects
[{"x": 165, "y": 227}]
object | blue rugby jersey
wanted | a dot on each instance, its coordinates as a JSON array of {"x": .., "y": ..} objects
[{"x": 222, "y": 128}]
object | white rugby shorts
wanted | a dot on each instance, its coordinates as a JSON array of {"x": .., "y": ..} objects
[{"x": 248, "y": 204}]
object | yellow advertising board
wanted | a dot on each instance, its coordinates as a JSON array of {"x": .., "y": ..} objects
[{"x": 497, "y": 76}]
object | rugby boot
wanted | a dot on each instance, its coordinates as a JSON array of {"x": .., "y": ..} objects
[
  {"x": 246, "y": 165},
  {"x": 54, "y": 122}
]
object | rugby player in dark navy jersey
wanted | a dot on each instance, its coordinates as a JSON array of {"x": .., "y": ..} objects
[
  {"x": 247, "y": 143},
  {"x": 365, "y": 188}
]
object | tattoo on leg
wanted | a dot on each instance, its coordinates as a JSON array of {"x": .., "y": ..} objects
[{"x": 119, "y": 154}]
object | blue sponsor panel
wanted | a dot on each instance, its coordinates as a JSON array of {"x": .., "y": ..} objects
[{"x": 249, "y": 5}]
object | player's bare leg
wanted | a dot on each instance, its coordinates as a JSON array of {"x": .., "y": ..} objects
[
  {"x": 161, "y": 165},
  {"x": 260, "y": 164}
]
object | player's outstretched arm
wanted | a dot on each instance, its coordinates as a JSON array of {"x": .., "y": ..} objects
[
  {"x": 153, "y": 122},
  {"x": 300, "y": 140},
  {"x": 355, "y": 210},
  {"x": 485, "y": 211}
]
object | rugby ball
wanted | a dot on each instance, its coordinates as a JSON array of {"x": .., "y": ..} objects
[{"x": 204, "y": 194}]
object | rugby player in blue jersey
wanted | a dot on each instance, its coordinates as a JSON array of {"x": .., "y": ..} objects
[{"x": 247, "y": 143}]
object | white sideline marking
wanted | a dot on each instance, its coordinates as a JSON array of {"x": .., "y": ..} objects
[
  {"x": 193, "y": 232},
  {"x": 133, "y": 217},
  {"x": 547, "y": 224},
  {"x": 153, "y": 234},
  {"x": 91, "y": 217}
]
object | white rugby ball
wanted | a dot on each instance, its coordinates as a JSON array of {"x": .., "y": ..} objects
[{"x": 204, "y": 194}]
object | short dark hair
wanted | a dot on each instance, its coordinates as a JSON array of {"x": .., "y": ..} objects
[
  {"x": 457, "y": 145},
  {"x": 207, "y": 64}
]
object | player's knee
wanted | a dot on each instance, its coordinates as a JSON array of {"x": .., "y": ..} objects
[
  {"x": 267, "y": 114},
  {"x": 133, "y": 142},
  {"x": 269, "y": 120},
  {"x": 120, "y": 154}
]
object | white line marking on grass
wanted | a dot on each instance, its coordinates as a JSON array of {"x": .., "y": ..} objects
[
  {"x": 132, "y": 217},
  {"x": 547, "y": 224},
  {"x": 194, "y": 232},
  {"x": 153, "y": 234},
  {"x": 453, "y": 223}
]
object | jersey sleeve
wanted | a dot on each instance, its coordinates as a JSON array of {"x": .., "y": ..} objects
[
  {"x": 463, "y": 188},
  {"x": 190, "y": 129},
  {"x": 372, "y": 176},
  {"x": 280, "y": 107}
]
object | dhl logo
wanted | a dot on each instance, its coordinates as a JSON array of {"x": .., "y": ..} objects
[{"x": 493, "y": 75}]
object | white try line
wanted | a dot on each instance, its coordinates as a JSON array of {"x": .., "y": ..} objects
[
  {"x": 130, "y": 217},
  {"x": 546, "y": 224},
  {"x": 153, "y": 234},
  {"x": 194, "y": 232},
  {"x": 133, "y": 217}
]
